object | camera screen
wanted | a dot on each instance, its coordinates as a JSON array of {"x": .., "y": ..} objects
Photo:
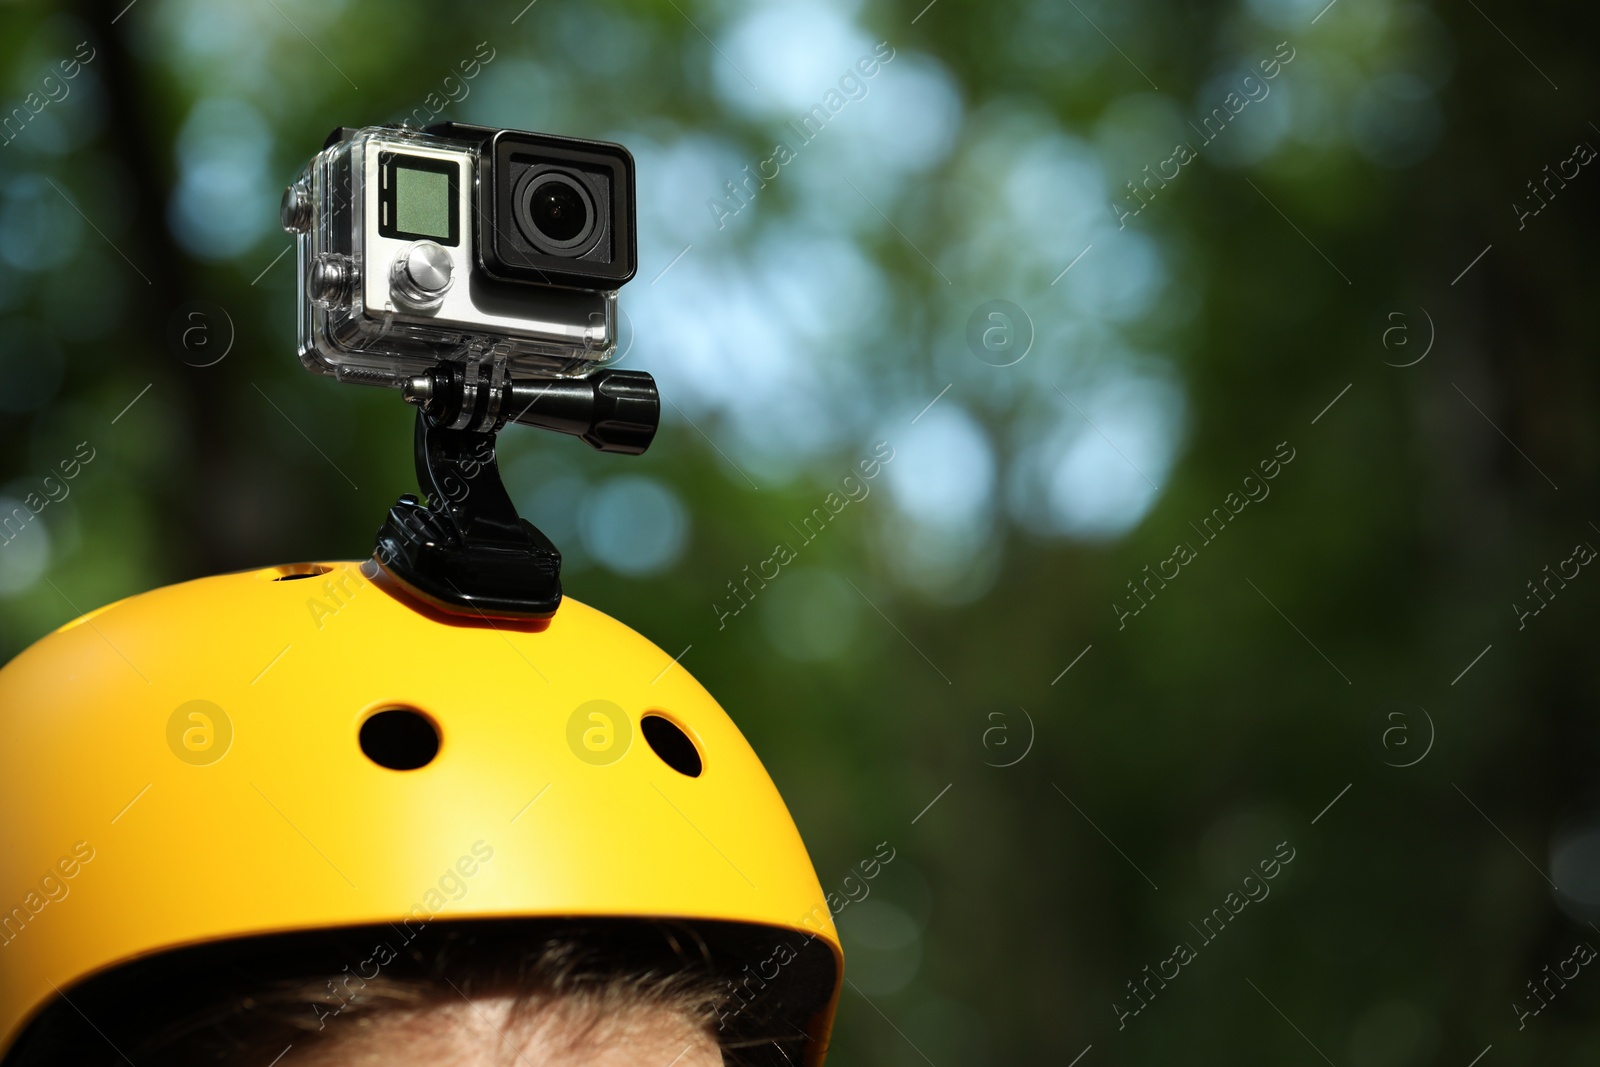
[
  {"x": 418, "y": 198},
  {"x": 422, "y": 202}
]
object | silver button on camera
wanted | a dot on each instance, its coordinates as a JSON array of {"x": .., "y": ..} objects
[
  {"x": 421, "y": 275},
  {"x": 296, "y": 209},
  {"x": 329, "y": 280}
]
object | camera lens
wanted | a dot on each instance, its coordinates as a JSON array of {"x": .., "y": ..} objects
[
  {"x": 558, "y": 211},
  {"x": 555, "y": 212}
]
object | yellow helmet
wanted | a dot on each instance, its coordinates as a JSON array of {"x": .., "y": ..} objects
[{"x": 304, "y": 748}]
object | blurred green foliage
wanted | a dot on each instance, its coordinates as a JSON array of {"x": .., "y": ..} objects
[{"x": 925, "y": 635}]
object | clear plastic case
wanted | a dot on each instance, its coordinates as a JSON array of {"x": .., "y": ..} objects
[{"x": 356, "y": 322}]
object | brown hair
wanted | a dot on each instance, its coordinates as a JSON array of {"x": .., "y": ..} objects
[{"x": 242, "y": 1003}]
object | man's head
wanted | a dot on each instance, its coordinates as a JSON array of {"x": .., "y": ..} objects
[
  {"x": 507, "y": 993},
  {"x": 563, "y": 1004},
  {"x": 545, "y": 994},
  {"x": 258, "y": 894},
  {"x": 496, "y": 1031}
]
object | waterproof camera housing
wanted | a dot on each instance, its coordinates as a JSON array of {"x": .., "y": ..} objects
[{"x": 460, "y": 244}]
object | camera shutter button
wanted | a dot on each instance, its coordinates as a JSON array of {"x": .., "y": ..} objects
[
  {"x": 421, "y": 275},
  {"x": 429, "y": 267}
]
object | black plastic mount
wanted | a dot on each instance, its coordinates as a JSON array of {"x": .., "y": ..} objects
[{"x": 467, "y": 551}]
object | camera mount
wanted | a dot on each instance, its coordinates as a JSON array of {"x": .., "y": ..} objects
[
  {"x": 467, "y": 551},
  {"x": 476, "y": 270}
]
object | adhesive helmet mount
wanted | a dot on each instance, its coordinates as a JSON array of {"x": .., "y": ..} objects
[{"x": 466, "y": 550}]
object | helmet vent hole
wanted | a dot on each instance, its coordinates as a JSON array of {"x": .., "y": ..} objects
[
  {"x": 668, "y": 741},
  {"x": 400, "y": 739}
]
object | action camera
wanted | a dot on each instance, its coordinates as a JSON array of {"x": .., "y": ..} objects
[
  {"x": 424, "y": 247},
  {"x": 476, "y": 271}
]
